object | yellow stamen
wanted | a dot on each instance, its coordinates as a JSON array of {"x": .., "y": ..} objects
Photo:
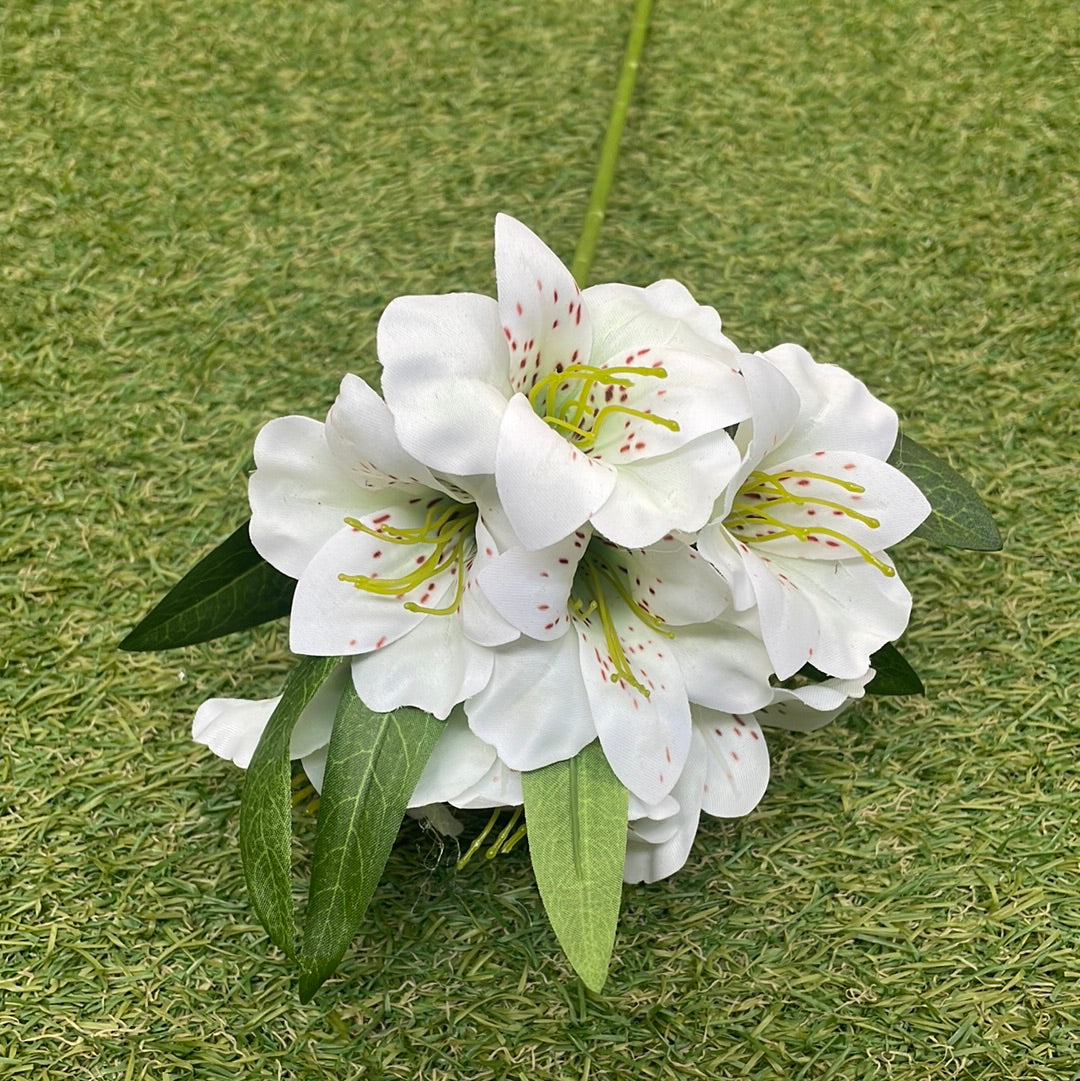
[
  {"x": 448, "y": 528},
  {"x": 763, "y": 491},
  {"x": 571, "y": 411}
]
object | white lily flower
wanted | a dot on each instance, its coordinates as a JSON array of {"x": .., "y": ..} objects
[
  {"x": 385, "y": 555},
  {"x": 606, "y": 406},
  {"x": 617, "y": 649},
  {"x": 232, "y": 728},
  {"x": 801, "y": 532}
]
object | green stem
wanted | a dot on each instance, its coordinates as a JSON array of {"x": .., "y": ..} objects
[{"x": 609, "y": 152}]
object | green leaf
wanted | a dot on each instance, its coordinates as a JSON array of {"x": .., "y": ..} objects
[
  {"x": 576, "y": 814},
  {"x": 892, "y": 674},
  {"x": 266, "y": 806},
  {"x": 958, "y": 518},
  {"x": 231, "y": 589},
  {"x": 372, "y": 767}
]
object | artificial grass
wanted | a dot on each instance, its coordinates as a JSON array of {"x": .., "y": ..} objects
[{"x": 206, "y": 207}]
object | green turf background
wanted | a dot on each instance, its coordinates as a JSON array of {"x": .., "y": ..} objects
[{"x": 203, "y": 209}]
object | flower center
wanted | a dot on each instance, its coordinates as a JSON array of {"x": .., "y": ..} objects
[
  {"x": 448, "y": 531},
  {"x": 600, "y": 579},
  {"x": 576, "y": 400},
  {"x": 753, "y": 517}
]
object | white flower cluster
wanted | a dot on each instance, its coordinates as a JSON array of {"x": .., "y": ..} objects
[{"x": 579, "y": 515}]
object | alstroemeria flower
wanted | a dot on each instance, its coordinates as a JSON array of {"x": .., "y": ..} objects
[
  {"x": 232, "y": 728},
  {"x": 606, "y": 406},
  {"x": 802, "y": 530},
  {"x": 385, "y": 555},
  {"x": 616, "y": 647}
]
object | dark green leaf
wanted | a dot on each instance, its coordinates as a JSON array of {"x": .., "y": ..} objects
[
  {"x": 372, "y": 767},
  {"x": 576, "y": 816},
  {"x": 958, "y": 517},
  {"x": 892, "y": 674},
  {"x": 266, "y": 807},
  {"x": 231, "y": 589}
]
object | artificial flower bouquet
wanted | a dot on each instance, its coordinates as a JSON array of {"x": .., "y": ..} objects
[{"x": 573, "y": 560}]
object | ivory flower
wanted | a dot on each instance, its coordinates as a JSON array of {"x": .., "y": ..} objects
[
  {"x": 619, "y": 651},
  {"x": 385, "y": 555},
  {"x": 801, "y": 532},
  {"x": 606, "y": 406}
]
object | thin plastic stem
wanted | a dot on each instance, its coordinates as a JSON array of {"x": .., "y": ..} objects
[{"x": 609, "y": 152}]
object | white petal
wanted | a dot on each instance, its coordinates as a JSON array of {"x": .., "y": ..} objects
[
  {"x": 479, "y": 618},
  {"x": 458, "y": 761},
  {"x": 360, "y": 435},
  {"x": 331, "y": 617},
  {"x": 530, "y": 589},
  {"x": 774, "y": 410},
  {"x": 858, "y": 610},
  {"x": 672, "y": 583},
  {"x": 627, "y": 317},
  {"x": 499, "y": 787},
  {"x": 725, "y": 666},
  {"x": 836, "y": 410},
  {"x": 653, "y": 496},
  {"x": 544, "y": 322},
  {"x": 788, "y": 616},
  {"x": 804, "y": 709},
  {"x": 737, "y": 762},
  {"x": 299, "y": 494},
  {"x": 534, "y": 709},
  {"x": 719, "y": 547},
  {"x": 547, "y": 487},
  {"x": 232, "y": 727},
  {"x": 657, "y": 850},
  {"x": 433, "y": 667},
  {"x": 315, "y": 767},
  {"x": 645, "y": 736},
  {"x": 445, "y": 378}
]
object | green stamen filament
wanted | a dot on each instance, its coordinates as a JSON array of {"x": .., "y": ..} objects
[
  {"x": 771, "y": 493},
  {"x": 449, "y": 530},
  {"x": 573, "y": 414},
  {"x": 502, "y": 844},
  {"x": 598, "y": 572}
]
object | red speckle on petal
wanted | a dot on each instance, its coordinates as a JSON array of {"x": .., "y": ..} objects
[
  {"x": 381, "y": 642},
  {"x": 734, "y": 757},
  {"x": 542, "y": 607},
  {"x": 506, "y": 331},
  {"x": 352, "y": 641},
  {"x": 803, "y": 483},
  {"x": 381, "y": 518},
  {"x": 754, "y": 735},
  {"x": 850, "y": 465},
  {"x": 639, "y": 446},
  {"x": 519, "y": 308},
  {"x": 376, "y": 555}
]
